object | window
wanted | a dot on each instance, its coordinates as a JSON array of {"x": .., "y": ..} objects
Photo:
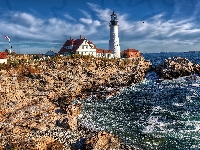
[{"x": 85, "y": 46}]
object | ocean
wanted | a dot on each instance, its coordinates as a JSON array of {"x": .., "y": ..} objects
[{"x": 151, "y": 115}]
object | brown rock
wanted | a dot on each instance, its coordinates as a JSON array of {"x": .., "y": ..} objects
[
  {"x": 41, "y": 127},
  {"x": 55, "y": 146},
  {"x": 103, "y": 141},
  {"x": 17, "y": 130},
  {"x": 33, "y": 125},
  {"x": 176, "y": 67},
  {"x": 43, "y": 143},
  {"x": 72, "y": 115}
]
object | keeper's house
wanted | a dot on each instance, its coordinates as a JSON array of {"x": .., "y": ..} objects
[
  {"x": 84, "y": 47},
  {"x": 3, "y": 57}
]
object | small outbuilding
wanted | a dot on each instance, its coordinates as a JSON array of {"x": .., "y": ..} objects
[
  {"x": 3, "y": 57},
  {"x": 130, "y": 53},
  {"x": 50, "y": 53}
]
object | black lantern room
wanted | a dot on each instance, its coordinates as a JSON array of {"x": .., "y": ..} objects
[{"x": 114, "y": 19}]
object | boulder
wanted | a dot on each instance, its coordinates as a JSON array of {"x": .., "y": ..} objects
[{"x": 176, "y": 67}]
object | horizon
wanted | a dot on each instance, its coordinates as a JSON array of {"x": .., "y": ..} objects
[{"x": 150, "y": 26}]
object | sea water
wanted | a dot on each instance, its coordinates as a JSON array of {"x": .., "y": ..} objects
[{"x": 151, "y": 115}]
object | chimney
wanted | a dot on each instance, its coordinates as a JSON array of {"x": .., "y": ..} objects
[
  {"x": 80, "y": 37},
  {"x": 70, "y": 38}
]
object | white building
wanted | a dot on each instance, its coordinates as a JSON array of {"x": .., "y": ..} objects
[
  {"x": 114, "y": 39},
  {"x": 79, "y": 46},
  {"x": 83, "y": 46},
  {"x": 3, "y": 57}
]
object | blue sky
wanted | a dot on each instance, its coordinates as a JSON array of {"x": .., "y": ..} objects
[{"x": 36, "y": 26}]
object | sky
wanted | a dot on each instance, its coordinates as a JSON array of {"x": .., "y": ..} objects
[{"x": 150, "y": 26}]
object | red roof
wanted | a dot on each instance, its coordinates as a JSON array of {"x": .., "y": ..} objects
[
  {"x": 90, "y": 42},
  {"x": 99, "y": 50},
  {"x": 72, "y": 42},
  {"x": 3, "y": 55},
  {"x": 130, "y": 50},
  {"x": 75, "y": 43}
]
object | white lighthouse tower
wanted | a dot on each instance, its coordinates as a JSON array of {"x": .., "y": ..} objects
[{"x": 114, "y": 39}]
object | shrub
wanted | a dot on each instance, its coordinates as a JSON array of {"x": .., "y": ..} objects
[{"x": 3, "y": 66}]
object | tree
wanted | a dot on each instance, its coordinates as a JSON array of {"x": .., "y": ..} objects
[
  {"x": 124, "y": 55},
  {"x": 6, "y": 50}
]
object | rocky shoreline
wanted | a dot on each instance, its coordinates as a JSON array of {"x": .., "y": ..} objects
[{"x": 36, "y": 110}]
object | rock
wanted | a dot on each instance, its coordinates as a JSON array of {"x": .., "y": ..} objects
[
  {"x": 55, "y": 146},
  {"x": 103, "y": 141},
  {"x": 72, "y": 115},
  {"x": 45, "y": 142},
  {"x": 41, "y": 127},
  {"x": 17, "y": 130},
  {"x": 30, "y": 93},
  {"x": 176, "y": 67},
  {"x": 33, "y": 125},
  {"x": 196, "y": 68}
]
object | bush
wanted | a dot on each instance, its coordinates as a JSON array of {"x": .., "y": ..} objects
[{"x": 3, "y": 66}]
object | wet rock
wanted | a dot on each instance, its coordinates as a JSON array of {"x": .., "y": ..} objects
[
  {"x": 176, "y": 67},
  {"x": 72, "y": 115}
]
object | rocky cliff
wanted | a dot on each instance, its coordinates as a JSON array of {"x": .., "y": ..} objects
[{"x": 36, "y": 110}]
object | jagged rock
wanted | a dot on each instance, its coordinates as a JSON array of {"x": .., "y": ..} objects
[
  {"x": 176, "y": 67},
  {"x": 103, "y": 141},
  {"x": 196, "y": 68},
  {"x": 29, "y": 95},
  {"x": 72, "y": 115}
]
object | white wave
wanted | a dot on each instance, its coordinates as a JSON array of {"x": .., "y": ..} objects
[
  {"x": 196, "y": 84},
  {"x": 178, "y": 104},
  {"x": 148, "y": 129}
]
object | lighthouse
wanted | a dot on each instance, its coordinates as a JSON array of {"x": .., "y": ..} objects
[{"x": 114, "y": 39}]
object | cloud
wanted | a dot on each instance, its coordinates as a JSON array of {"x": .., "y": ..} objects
[
  {"x": 155, "y": 33},
  {"x": 29, "y": 27},
  {"x": 35, "y": 12},
  {"x": 103, "y": 14},
  {"x": 86, "y": 21},
  {"x": 70, "y": 17},
  {"x": 85, "y": 13},
  {"x": 90, "y": 22},
  {"x": 26, "y": 19}
]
